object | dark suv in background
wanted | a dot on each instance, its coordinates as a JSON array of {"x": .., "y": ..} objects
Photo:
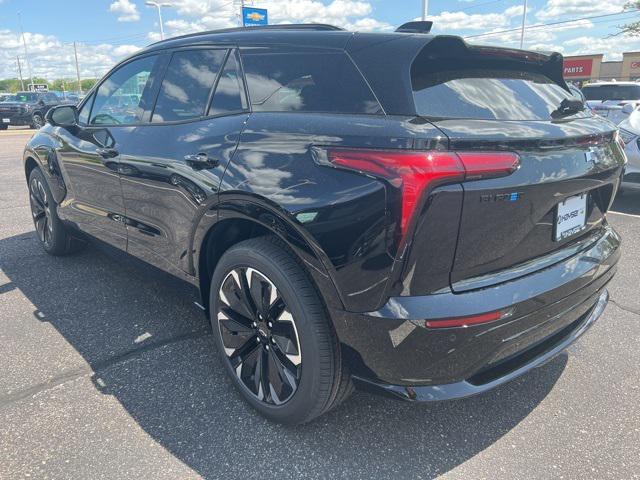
[
  {"x": 401, "y": 212},
  {"x": 26, "y": 108}
]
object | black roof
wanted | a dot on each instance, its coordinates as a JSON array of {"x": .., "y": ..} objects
[{"x": 303, "y": 35}]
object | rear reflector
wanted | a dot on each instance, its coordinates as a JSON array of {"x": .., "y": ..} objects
[
  {"x": 417, "y": 171},
  {"x": 468, "y": 321}
]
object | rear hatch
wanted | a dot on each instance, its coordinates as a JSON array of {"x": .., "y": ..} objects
[{"x": 488, "y": 99}]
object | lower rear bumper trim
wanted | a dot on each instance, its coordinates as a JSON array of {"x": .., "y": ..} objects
[{"x": 466, "y": 388}]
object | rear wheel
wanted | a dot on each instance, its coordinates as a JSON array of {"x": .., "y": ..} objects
[
  {"x": 274, "y": 336},
  {"x": 50, "y": 230}
]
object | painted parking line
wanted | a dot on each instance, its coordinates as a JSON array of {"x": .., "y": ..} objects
[{"x": 624, "y": 214}]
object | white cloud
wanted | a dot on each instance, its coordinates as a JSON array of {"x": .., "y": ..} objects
[
  {"x": 448, "y": 21},
  {"x": 51, "y": 58},
  {"x": 126, "y": 11},
  {"x": 555, "y": 9}
]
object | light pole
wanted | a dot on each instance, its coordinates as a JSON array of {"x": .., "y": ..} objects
[
  {"x": 159, "y": 7},
  {"x": 425, "y": 7},
  {"x": 24, "y": 44},
  {"x": 524, "y": 19}
]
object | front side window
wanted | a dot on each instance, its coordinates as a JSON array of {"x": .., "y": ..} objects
[
  {"x": 305, "y": 82},
  {"x": 186, "y": 85},
  {"x": 119, "y": 99}
]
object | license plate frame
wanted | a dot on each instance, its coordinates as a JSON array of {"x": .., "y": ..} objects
[{"x": 571, "y": 217}]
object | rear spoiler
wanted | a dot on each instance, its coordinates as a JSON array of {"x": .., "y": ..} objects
[
  {"x": 415, "y": 27},
  {"x": 453, "y": 47}
]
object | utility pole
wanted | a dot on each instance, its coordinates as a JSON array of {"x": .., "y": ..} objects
[
  {"x": 425, "y": 8},
  {"x": 524, "y": 20},
  {"x": 75, "y": 52},
  {"x": 20, "y": 73},
  {"x": 26, "y": 53},
  {"x": 241, "y": 16}
]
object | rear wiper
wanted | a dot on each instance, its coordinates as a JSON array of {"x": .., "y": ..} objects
[{"x": 568, "y": 107}]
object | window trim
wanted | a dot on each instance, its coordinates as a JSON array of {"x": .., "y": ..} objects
[{"x": 243, "y": 89}]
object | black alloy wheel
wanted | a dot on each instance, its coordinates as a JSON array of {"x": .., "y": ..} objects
[
  {"x": 37, "y": 121},
  {"x": 259, "y": 336},
  {"x": 41, "y": 211}
]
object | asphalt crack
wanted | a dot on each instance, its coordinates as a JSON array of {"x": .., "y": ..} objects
[
  {"x": 96, "y": 368},
  {"x": 625, "y": 308}
]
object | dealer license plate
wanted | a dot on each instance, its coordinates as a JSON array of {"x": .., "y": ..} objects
[{"x": 571, "y": 217}]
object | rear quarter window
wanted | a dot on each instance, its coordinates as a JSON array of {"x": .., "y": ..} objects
[{"x": 307, "y": 82}]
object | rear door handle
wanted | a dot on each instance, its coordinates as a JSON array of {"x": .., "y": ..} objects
[
  {"x": 107, "y": 152},
  {"x": 201, "y": 160}
]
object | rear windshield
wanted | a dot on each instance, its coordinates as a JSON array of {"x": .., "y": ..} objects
[
  {"x": 612, "y": 92},
  {"x": 496, "y": 94}
]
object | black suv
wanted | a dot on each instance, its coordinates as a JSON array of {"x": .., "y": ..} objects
[
  {"x": 400, "y": 212},
  {"x": 26, "y": 108}
]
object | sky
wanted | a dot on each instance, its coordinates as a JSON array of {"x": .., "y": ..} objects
[{"x": 105, "y": 31}]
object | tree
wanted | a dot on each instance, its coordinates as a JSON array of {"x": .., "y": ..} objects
[{"x": 632, "y": 29}]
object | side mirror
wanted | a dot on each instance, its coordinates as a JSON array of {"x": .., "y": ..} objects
[
  {"x": 628, "y": 109},
  {"x": 63, "y": 116}
]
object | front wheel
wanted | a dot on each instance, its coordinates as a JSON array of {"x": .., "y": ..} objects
[
  {"x": 50, "y": 230},
  {"x": 273, "y": 333}
]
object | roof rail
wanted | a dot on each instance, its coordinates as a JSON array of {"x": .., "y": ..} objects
[
  {"x": 415, "y": 27},
  {"x": 285, "y": 26}
]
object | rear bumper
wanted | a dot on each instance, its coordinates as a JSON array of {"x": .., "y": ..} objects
[{"x": 392, "y": 351}]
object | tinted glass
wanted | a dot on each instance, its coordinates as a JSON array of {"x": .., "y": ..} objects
[
  {"x": 118, "y": 100},
  {"x": 228, "y": 96},
  {"x": 83, "y": 115},
  {"x": 612, "y": 92},
  {"x": 485, "y": 94},
  {"x": 23, "y": 97},
  {"x": 304, "y": 82},
  {"x": 186, "y": 85}
]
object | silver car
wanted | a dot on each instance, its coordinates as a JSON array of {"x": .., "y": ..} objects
[
  {"x": 613, "y": 100},
  {"x": 630, "y": 133}
]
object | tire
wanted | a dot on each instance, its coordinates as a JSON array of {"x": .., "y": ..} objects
[
  {"x": 53, "y": 236},
  {"x": 3, "y": 126},
  {"x": 37, "y": 121},
  {"x": 299, "y": 333}
]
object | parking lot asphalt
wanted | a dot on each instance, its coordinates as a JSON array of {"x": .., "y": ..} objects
[{"x": 109, "y": 372}]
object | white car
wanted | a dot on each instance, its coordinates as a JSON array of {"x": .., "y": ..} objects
[
  {"x": 630, "y": 133},
  {"x": 613, "y": 100}
]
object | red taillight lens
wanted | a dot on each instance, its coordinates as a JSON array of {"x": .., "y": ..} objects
[
  {"x": 416, "y": 171},
  {"x": 468, "y": 321}
]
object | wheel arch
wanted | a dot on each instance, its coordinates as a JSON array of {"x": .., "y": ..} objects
[{"x": 241, "y": 219}]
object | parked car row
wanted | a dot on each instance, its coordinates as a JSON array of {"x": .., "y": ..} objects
[{"x": 30, "y": 108}]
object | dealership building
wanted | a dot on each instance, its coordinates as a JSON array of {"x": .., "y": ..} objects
[{"x": 584, "y": 68}]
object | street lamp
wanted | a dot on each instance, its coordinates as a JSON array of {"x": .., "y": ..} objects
[{"x": 159, "y": 7}]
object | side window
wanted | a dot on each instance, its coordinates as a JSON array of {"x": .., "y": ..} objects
[
  {"x": 229, "y": 94},
  {"x": 186, "y": 85},
  {"x": 119, "y": 99},
  {"x": 51, "y": 98},
  {"x": 322, "y": 82},
  {"x": 83, "y": 114}
]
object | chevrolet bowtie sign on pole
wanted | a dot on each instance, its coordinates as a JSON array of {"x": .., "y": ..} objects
[{"x": 252, "y": 17}]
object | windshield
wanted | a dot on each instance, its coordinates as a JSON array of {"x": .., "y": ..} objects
[
  {"x": 22, "y": 97},
  {"x": 612, "y": 92}
]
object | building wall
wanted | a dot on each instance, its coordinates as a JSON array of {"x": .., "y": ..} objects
[{"x": 631, "y": 65}]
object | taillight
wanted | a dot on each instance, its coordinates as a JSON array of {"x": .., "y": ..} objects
[
  {"x": 414, "y": 172},
  {"x": 470, "y": 320}
]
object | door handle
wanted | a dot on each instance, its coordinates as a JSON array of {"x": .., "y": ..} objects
[
  {"x": 201, "y": 160},
  {"x": 107, "y": 152}
]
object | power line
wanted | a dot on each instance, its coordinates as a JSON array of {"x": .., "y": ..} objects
[
  {"x": 478, "y": 5},
  {"x": 546, "y": 25}
]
